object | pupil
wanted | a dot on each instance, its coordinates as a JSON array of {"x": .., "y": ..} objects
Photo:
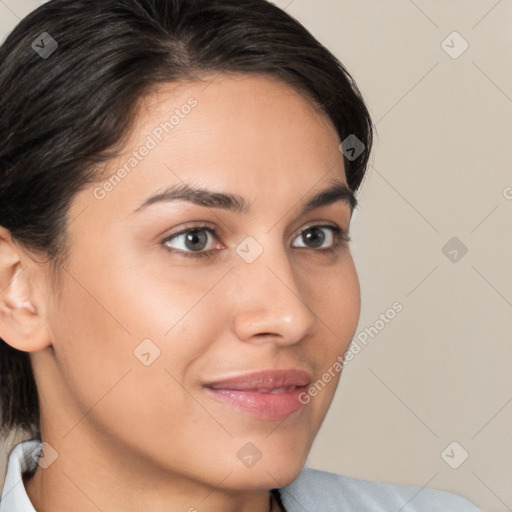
[
  {"x": 194, "y": 238},
  {"x": 309, "y": 234}
]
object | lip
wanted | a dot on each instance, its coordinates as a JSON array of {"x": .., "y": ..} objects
[
  {"x": 264, "y": 379},
  {"x": 267, "y": 394}
]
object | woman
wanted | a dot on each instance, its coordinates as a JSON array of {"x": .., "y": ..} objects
[{"x": 177, "y": 183}]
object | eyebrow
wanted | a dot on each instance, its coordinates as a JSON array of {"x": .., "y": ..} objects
[{"x": 337, "y": 191}]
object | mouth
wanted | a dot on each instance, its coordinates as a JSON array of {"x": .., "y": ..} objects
[
  {"x": 275, "y": 390},
  {"x": 268, "y": 394},
  {"x": 264, "y": 381}
]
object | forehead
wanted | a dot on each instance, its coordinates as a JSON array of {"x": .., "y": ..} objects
[
  {"x": 250, "y": 134},
  {"x": 233, "y": 89},
  {"x": 256, "y": 110}
]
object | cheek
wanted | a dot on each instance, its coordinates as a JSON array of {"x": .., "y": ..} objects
[
  {"x": 337, "y": 302},
  {"x": 350, "y": 298},
  {"x": 92, "y": 346},
  {"x": 103, "y": 338}
]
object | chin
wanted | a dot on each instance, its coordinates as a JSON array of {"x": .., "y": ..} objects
[{"x": 274, "y": 472}]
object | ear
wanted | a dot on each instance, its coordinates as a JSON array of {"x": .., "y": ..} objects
[{"x": 22, "y": 320}]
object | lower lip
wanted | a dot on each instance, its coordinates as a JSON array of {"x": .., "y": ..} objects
[{"x": 269, "y": 406}]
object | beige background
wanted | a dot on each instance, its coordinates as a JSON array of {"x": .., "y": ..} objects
[{"x": 440, "y": 371}]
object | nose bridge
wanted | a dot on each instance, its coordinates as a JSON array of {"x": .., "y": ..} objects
[{"x": 269, "y": 301}]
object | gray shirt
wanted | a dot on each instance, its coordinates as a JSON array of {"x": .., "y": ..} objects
[{"x": 311, "y": 491}]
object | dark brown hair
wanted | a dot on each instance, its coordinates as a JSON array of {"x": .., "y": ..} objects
[{"x": 61, "y": 115}]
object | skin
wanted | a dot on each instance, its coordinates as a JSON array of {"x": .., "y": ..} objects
[{"x": 132, "y": 437}]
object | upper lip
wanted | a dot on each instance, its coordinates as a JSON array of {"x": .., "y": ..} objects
[{"x": 265, "y": 379}]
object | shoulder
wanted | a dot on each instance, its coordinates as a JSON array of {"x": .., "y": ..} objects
[{"x": 332, "y": 492}]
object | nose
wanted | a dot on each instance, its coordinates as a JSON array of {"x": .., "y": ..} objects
[{"x": 271, "y": 305}]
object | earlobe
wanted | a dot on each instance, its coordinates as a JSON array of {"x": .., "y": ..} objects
[{"x": 22, "y": 324}]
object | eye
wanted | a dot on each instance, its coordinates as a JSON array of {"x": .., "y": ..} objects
[
  {"x": 315, "y": 236},
  {"x": 193, "y": 241}
]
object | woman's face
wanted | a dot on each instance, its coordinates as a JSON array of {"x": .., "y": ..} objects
[{"x": 146, "y": 317}]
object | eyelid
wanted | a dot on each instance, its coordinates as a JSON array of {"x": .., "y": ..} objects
[{"x": 316, "y": 223}]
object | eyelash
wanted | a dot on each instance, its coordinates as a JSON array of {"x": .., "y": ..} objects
[{"x": 341, "y": 239}]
